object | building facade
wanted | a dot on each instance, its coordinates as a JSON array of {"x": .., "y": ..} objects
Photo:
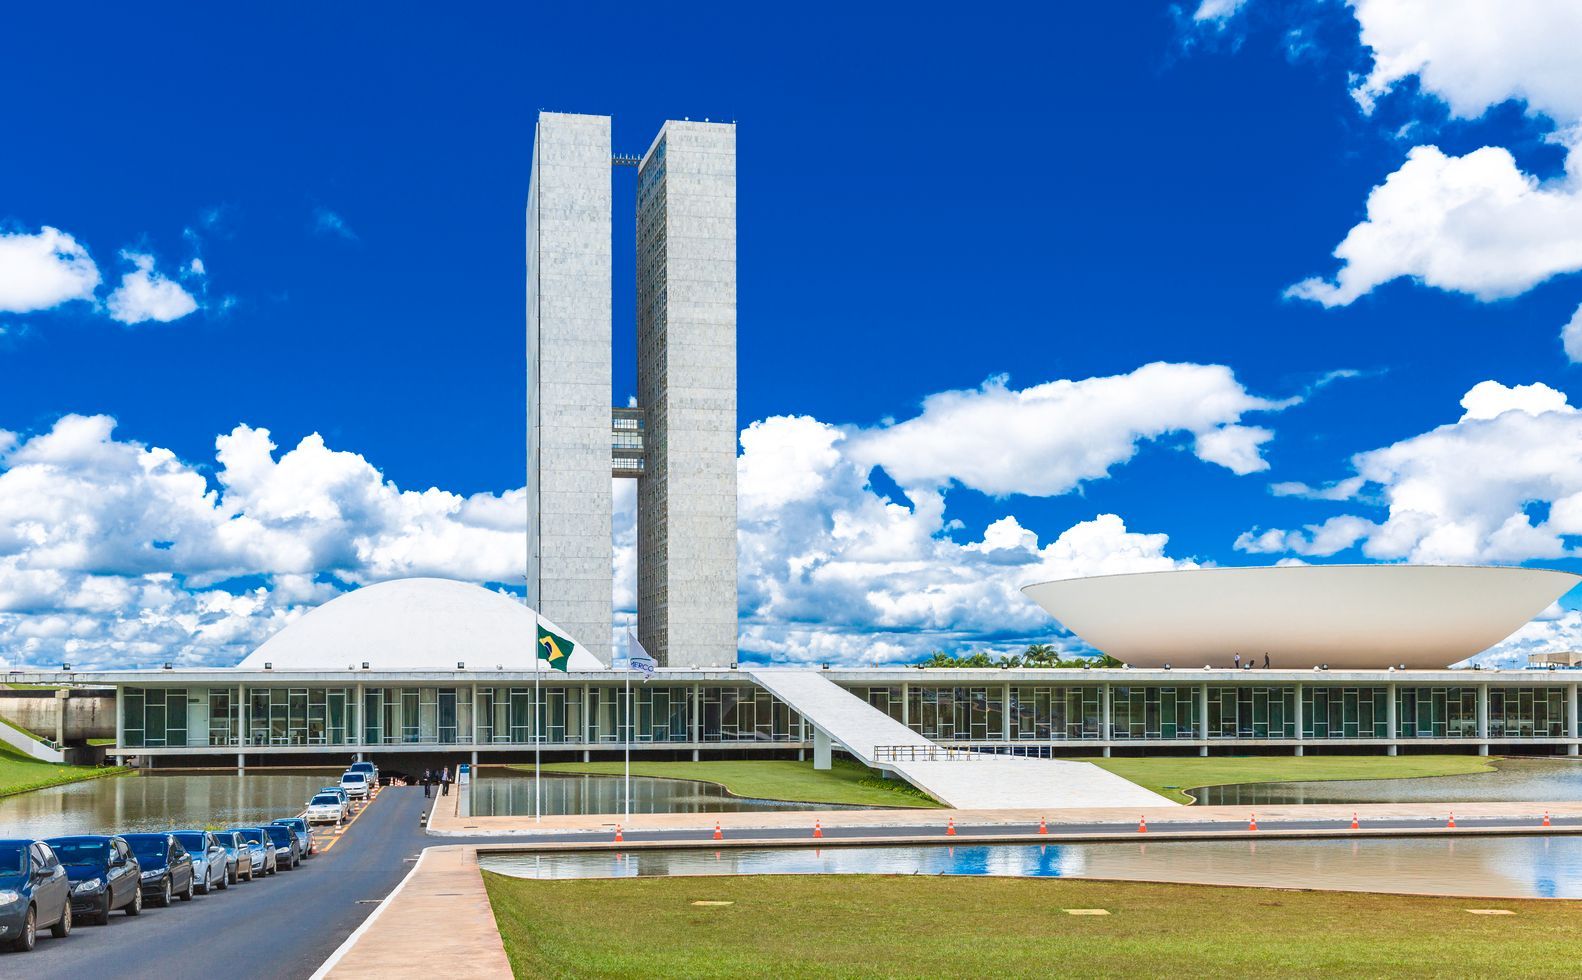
[
  {"x": 686, "y": 383},
  {"x": 679, "y": 441},
  {"x": 259, "y": 714},
  {"x": 568, "y": 377}
]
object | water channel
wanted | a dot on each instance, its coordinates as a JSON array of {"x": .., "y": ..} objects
[
  {"x": 123, "y": 804},
  {"x": 1516, "y": 780},
  {"x": 1502, "y": 867},
  {"x": 563, "y": 793}
]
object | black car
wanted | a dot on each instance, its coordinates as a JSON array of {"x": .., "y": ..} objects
[
  {"x": 167, "y": 867},
  {"x": 34, "y": 893},
  {"x": 104, "y": 874},
  {"x": 288, "y": 848}
]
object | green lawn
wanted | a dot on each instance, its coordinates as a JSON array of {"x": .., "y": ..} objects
[
  {"x": 773, "y": 779},
  {"x": 1186, "y": 773},
  {"x": 20, "y": 774},
  {"x": 872, "y": 926}
]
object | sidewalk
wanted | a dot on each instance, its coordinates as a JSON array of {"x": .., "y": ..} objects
[
  {"x": 445, "y": 822},
  {"x": 442, "y": 905}
]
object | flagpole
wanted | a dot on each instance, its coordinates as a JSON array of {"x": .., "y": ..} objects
[
  {"x": 538, "y": 775},
  {"x": 628, "y": 673}
]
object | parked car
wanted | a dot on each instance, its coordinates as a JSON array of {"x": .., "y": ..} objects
[
  {"x": 368, "y": 769},
  {"x": 304, "y": 833},
  {"x": 104, "y": 876},
  {"x": 355, "y": 784},
  {"x": 288, "y": 849},
  {"x": 167, "y": 867},
  {"x": 34, "y": 892},
  {"x": 325, "y": 808},
  {"x": 209, "y": 861},
  {"x": 263, "y": 850},
  {"x": 238, "y": 856}
]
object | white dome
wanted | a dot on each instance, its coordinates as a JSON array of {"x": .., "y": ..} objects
[{"x": 414, "y": 624}]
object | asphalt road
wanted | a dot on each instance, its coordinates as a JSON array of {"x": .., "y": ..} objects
[{"x": 272, "y": 928}]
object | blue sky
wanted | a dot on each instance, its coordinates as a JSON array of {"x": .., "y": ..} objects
[{"x": 927, "y": 203}]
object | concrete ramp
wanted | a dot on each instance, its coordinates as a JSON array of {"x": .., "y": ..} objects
[{"x": 961, "y": 779}]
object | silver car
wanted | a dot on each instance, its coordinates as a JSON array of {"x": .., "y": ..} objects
[
  {"x": 238, "y": 854},
  {"x": 210, "y": 861}
]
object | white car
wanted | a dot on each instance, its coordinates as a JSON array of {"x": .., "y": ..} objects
[
  {"x": 355, "y": 784},
  {"x": 325, "y": 808}
]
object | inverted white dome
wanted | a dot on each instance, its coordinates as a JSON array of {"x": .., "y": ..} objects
[
  {"x": 414, "y": 624},
  {"x": 1348, "y": 616}
]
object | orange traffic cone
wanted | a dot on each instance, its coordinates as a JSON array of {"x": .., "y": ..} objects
[
  {"x": 1546, "y": 818},
  {"x": 717, "y": 834},
  {"x": 618, "y": 837},
  {"x": 1252, "y": 822},
  {"x": 1043, "y": 828},
  {"x": 818, "y": 829},
  {"x": 1452, "y": 823},
  {"x": 1353, "y": 821},
  {"x": 1142, "y": 825},
  {"x": 950, "y": 827}
]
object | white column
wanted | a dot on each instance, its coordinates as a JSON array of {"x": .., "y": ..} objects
[
  {"x": 1104, "y": 717},
  {"x": 1005, "y": 713},
  {"x": 1571, "y": 719},
  {"x": 1390, "y": 719},
  {"x": 120, "y": 720},
  {"x": 358, "y": 739},
  {"x": 906, "y": 704},
  {"x": 1202, "y": 714},
  {"x": 821, "y": 749},
  {"x": 1297, "y": 702},
  {"x": 1483, "y": 719}
]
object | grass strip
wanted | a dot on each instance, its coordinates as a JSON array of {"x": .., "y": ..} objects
[
  {"x": 882, "y": 926},
  {"x": 772, "y": 779},
  {"x": 1185, "y": 773}
]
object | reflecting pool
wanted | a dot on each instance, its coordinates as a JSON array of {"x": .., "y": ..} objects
[
  {"x": 1518, "y": 780},
  {"x": 1503, "y": 867},
  {"x": 152, "y": 801},
  {"x": 573, "y": 793}
]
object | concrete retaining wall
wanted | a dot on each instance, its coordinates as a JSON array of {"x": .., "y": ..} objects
[{"x": 89, "y": 714}]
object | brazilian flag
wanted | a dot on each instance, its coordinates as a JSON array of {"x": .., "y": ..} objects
[{"x": 554, "y": 648}]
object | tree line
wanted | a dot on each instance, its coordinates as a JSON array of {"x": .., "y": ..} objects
[{"x": 1036, "y": 655}]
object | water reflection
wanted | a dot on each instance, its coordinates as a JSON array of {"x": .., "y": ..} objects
[
  {"x": 1517, "y": 780},
  {"x": 574, "y": 793},
  {"x": 1505, "y": 867},
  {"x": 154, "y": 801}
]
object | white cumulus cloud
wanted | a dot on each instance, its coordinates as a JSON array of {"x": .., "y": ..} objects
[
  {"x": 1049, "y": 438},
  {"x": 144, "y": 294},
  {"x": 44, "y": 270},
  {"x": 1501, "y": 484}
]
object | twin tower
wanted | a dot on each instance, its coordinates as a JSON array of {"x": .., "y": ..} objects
[{"x": 679, "y": 441}]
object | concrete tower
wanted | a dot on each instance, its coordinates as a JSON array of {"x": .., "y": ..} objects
[
  {"x": 680, "y": 441},
  {"x": 568, "y": 377},
  {"x": 686, "y": 384}
]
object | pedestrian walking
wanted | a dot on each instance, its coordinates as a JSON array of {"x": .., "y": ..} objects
[
  {"x": 1238, "y": 661},
  {"x": 428, "y": 777},
  {"x": 1266, "y": 661},
  {"x": 444, "y": 781}
]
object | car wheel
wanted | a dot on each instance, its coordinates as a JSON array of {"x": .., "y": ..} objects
[
  {"x": 62, "y": 929},
  {"x": 103, "y": 918},
  {"x": 135, "y": 906},
  {"x": 163, "y": 901},
  {"x": 186, "y": 896},
  {"x": 24, "y": 942},
  {"x": 225, "y": 881}
]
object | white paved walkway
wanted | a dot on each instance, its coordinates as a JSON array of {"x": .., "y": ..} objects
[{"x": 972, "y": 782}]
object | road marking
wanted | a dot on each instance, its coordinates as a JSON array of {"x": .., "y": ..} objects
[
  {"x": 348, "y": 825},
  {"x": 1086, "y": 911},
  {"x": 1491, "y": 911}
]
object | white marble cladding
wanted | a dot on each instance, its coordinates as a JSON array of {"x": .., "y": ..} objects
[
  {"x": 568, "y": 382},
  {"x": 687, "y": 384}
]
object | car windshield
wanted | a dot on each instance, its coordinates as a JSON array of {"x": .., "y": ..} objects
[
  {"x": 79, "y": 852},
  {"x": 362, "y": 767},
  {"x": 194, "y": 843},
  {"x": 148, "y": 849},
  {"x": 10, "y": 859},
  {"x": 326, "y": 799},
  {"x": 280, "y": 835},
  {"x": 252, "y": 836},
  {"x": 354, "y": 777}
]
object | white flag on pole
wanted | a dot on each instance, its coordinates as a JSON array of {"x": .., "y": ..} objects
[{"x": 637, "y": 658}]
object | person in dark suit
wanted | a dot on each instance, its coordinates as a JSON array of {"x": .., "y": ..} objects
[
  {"x": 444, "y": 781},
  {"x": 428, "y": 778}
]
